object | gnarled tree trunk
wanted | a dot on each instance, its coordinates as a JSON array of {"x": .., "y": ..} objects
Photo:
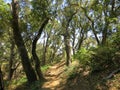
[
  {"x": 35, "y": 57},
  {"x": 67, "y": 40},
  {"x": 11, "y": 70},
  {"x": 31, "y": 76}
]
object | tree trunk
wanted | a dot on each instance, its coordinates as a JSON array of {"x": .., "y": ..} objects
[
  {"x": 81, "y": 39},
  {"x": 105, "y": 33},
  {"x": 95, "y": 34},
  {"x": 93, "y": 29},
  {"x": 67, "y": 49},
  {"x": 44, "y": 55},
  {"x": 53, "y": 53},
  {"x": 67, "y": 43},
  {"x": 52, "y": 57},
  {"x": 11, "y": 60},
  {"x": 73, "y": 43},
  {"x": 1, "y": 80},
  {"x": 35, "y": 57},
  {"x": 80, "y": 43},
  {"x": 67, "y": 40},
  {"x": 31, "y": 76},
  {"x": 46, "y": 45},
  {"x": 37, "y": 64},
  {"x": 105, "y": 30},
  {"x": 104, "y": 36}
]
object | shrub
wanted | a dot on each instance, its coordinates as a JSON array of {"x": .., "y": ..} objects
[
  {"x": 116, "y": 40},
  {"x": 83, "y": 55},
  {"x": 99, "y": 58},
  {"x": 102, "y": 58}
]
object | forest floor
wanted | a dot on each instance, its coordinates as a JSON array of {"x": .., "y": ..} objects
[{"x": 74, "y": 77}]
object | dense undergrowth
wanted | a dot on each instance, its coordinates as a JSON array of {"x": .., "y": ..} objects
[{"x": 99, "y": 58}]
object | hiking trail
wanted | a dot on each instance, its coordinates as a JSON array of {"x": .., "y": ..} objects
[{"x": 54, "y": 77}]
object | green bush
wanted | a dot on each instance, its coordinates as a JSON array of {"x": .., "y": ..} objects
[
  {"x": 19, "y": 81},
  {"x": 98, "y": 58},
  {"x": 116, "y": 40},
  {"x": 83, "y": 55},
  {"x": 102, "y": 58}
]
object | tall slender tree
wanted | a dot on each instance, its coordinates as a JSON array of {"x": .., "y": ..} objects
[
  {"x": 35, "y": 57},
  {"x": 30, "y": 73}
]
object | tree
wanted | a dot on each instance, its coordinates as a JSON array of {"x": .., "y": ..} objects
[
  {"x": 35, "y": 57},
  {"x": 68, "y": 18},
  {"x": 31, "y": 76},
  {"x": 46, "y": 45},
  {"x": 11, "y": 70}
]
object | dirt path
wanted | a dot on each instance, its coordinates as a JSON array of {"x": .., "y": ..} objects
[{"x": 53, "y": 77}]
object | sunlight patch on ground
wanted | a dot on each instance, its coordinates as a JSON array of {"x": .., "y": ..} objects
[{"x": 53, "y": 76}]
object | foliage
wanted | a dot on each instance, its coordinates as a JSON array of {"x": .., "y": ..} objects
[
  {"x": 21, "y": 81},
  {"x": 72, "y": 71},
  {"x": 35, "y": 86},
  {"x": 72, "y": 75},
  {"x": 98, "y": 58},
  {"x": 102, "y": 58},
  {"x": 83, "y": 55},
  {"x": 116, "y": 39},
  {"x": 44, "y": 68}
]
